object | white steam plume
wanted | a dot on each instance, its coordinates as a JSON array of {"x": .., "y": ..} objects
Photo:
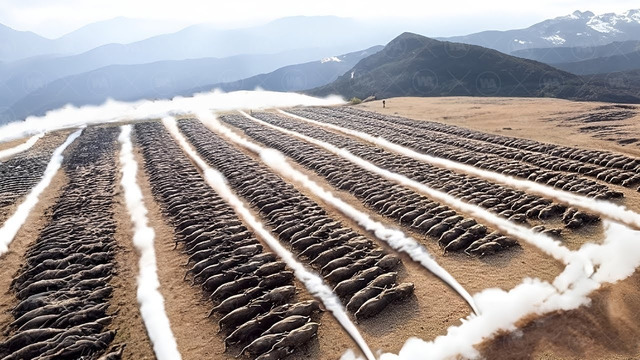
[
  {"x": 7, "y": 153},
  {"x": 393, "y": 237},
  {"x": 545, "y": 243},
  {"x": 149, "y": 297},
  {"x": 311, "y": 280},
  {"x": 603, "y": 208},
  {"x": 11, "y": 227},
  {"x": 617, "y": 258},
  {"x": 350, "y": 355},
  {"x": 114, "y": 111}
]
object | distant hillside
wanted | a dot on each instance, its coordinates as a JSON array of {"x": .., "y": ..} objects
[
  {"x": 202, "y": 41},
  {"x": 602, "y": 65},
  {"x": 413, "y": 65},
  {"x": 163, "y": 79},
  {"x": 31, "y": 90},
  {"x": 16, "y": 44},
  {"x": 618, "y": 81},
  {"x": 296, "y": 77},
  {"x": 556, "y": 55},
  {"x": 305, "y": 38},
  {"x": 580, "y": 29},
  {"x": 119, "y": 30}
]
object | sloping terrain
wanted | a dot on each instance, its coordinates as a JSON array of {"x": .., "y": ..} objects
[
  {"x": 413, "y": 65},
  {"x": 603, "y": 65},
  {"x": 568, "y": 54},
  {"x": 296, "y": 77},
  {"x": 339, "y": 241},
  {"x": 78, "y": 81}
]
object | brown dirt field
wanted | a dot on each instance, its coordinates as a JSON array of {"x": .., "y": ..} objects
[
  {"x": 435, "y": 306},
  {"x": 571, "y": 239},
  {"x": 608, "y": 327},
  {"x": 12, "y": 143},
  {"x": 127, "y": 321},
  {"x": 184, "y": 305},
  {"x": 538, "y": 119},
  {"x": 197, "y": 335}
]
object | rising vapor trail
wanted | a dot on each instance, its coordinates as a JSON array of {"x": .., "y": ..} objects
[{"x": 151, "y": 301}]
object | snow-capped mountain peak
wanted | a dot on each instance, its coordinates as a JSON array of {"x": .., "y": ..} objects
[
  {"x": 604, "y": 24},
  {"x": 330, "y": 59},
  {"x": 578, "y": 29},
  {"x": 580, "y": 15},
  {"x": 633, "y": 15}
]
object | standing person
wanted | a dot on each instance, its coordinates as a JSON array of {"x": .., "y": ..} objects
[{"x": 384, "y": 104}]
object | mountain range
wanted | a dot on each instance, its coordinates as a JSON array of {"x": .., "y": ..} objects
[
  {"x": 128, "y": 59},
  {"x": 296, "y": 77},
  {"x": 17, "y": 45},
  {"x": 301, "y": 39},
  {"x": 557, "y": 55},
  {"x": 414, "y": 65},
  {"x": 580, "y": 29},
  {"x": 602, "y": 65},
  {"x": 23, "y": 80},
  {"x": 162, "y": 79}
]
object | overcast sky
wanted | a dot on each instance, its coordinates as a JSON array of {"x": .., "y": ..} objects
[{"x": 53, "y": 18}]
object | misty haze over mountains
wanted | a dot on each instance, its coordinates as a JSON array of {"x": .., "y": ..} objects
[{"x": 131, "y": 59}]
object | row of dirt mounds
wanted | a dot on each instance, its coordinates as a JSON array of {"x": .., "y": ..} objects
[
  {"x": 251, "y": 291},
  {"x": 605, "y": 166},
  {"x": 606, "y": 122},
  {"x": 23, "y": 171},
  {"x": 453, "y": 231},
  {"x": 482, "y": 155},
  {"x": 63, "y": 288},
  {"x": 74, "y": 296},
  {"x": 361, "y": 272},
  {"x": 606, "y": 113},
  {"x": 512, "y": 204}
]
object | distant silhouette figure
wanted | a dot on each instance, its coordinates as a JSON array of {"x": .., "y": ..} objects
[{"x": 384, "y": 104}]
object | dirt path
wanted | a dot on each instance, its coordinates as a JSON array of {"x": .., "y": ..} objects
[{"x": 12, "y": 143}]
